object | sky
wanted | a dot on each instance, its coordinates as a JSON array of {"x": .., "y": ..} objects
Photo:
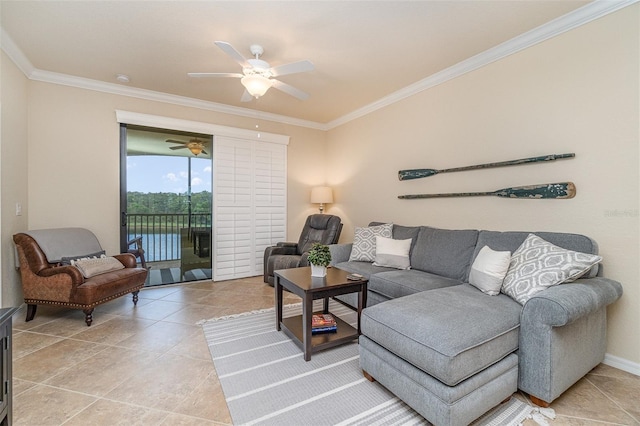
[{"x": 158, "y": 173}]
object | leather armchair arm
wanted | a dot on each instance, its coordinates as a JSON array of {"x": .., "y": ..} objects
[
  {"x": 282, "y": 250},
  {"x": 285, "y": 244},
  {"x": 73, "y": 272},
  {"x": 127, "y": 259}
]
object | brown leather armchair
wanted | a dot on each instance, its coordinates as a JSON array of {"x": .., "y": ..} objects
[
  {"x": 319, "y": 228},
  {"x": 45, "y": 281}
]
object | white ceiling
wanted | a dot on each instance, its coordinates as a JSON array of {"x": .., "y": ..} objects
[{"x": 363, "y": 51}]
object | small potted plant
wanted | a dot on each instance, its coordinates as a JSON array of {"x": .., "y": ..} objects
[{"x": 319, "y": 258}]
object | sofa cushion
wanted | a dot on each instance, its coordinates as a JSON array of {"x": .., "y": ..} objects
[
  {"x": 395, "y": 284},
  {"x": 489, "y": 269},
  {"x": 392, "y": 253},
  {"x": 364, "y": 242},
  {"x": 455, "y": 331},
  {"x": 110, "y": 285},
  {"x": 537, "y": 265},
  {"x": 444, "y": 252},
  {"x": 363, "y": 268}
]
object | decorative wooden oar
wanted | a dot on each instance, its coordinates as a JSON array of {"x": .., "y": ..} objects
[
  {"x": 549, "y": 190},
  {"x": 421, "y": 173}
]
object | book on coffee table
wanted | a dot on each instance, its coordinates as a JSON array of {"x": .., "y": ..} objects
[
  {"x": 322, "y": 320},
  {"x": 323, "y": 323},
  {"x": 327, "y": 329}
]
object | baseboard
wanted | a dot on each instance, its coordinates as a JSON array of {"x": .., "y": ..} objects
[{"x": 622, "y": 364}]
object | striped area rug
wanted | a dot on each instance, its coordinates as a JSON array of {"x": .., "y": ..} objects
[{"x": 265, "y": 379}]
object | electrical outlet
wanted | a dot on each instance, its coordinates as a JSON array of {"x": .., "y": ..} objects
[{"x": 18, "y": 209}]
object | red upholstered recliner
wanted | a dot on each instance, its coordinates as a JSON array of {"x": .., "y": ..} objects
[{"x": 46, "y": 281}]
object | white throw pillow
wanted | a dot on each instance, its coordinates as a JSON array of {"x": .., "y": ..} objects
[
  {"x": 392, "y": 253},
  {"x": 364, "y": 242},
  {"x": 489, "y": 269},
  {"x": 537, "y": 265}
]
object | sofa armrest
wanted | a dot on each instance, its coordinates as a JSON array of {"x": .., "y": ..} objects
[
  {"x": 563, "y": 335},
  {"x": 563, "y": 304},
  {"x": 128, "y": 260},
  {"x": 73, "y": 272},
  {"x": 340, "y": 253}
]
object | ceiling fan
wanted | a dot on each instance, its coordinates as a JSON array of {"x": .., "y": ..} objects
[
  {"x": 257, "y": 75},
  {"x": 196, "y": 146}
]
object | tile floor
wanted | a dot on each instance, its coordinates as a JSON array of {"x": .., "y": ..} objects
[{"x": 150, "y": 365}]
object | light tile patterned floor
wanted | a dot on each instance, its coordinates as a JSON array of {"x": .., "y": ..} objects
[{"x": 150, "y": 365}]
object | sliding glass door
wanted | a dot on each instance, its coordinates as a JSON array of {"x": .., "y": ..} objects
[{"x": 166, "y": 200}]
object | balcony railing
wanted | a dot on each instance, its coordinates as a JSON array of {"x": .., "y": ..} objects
[{"x": 161, "y": 232}]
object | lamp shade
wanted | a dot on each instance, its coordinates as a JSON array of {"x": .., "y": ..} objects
[
  {"x": 256, "y": 85},
  {"x": 321, "y": 195}
]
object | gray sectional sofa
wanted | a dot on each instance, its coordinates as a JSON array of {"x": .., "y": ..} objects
[{"x": 452, "y": 352}]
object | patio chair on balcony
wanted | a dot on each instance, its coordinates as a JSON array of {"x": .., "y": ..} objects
[
  {"x": 319, "y": 228},
  {"x": 135, "y": 248}
]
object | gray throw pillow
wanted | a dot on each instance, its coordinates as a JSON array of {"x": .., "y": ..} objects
[
  {"x": 537, "y": 265},
  {"x": 364, "y": 242}
]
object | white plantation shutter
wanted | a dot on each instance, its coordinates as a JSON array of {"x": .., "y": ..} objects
[{"x": 249, "y": 204}]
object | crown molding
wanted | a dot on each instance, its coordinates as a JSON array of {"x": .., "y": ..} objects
[
  {"x": 562, "y": 24},
  {"x": 117, "y": 89},
  {"x": 16, "y": 55},
  {"x": 578, "y": 17}
]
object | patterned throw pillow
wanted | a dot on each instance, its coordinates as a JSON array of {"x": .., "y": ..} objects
[
  {"x": 364, "y": 242},
  {"x": 68, "y": 260},
  {"x": 537, "y": 265},
  {"x": 393, "y": 253},
  {"x": 489, "y": 269}
]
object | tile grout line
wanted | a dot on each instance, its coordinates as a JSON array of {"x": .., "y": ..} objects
[{"x": 611, "y": 399}]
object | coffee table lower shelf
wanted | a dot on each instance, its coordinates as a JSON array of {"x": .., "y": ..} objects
[{"x": 292, "y": 327}]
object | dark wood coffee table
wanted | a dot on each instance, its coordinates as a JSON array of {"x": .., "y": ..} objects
[{"x": 300, "y": 282}]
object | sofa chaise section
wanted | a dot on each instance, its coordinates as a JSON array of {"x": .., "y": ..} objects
[{"x": 449, "y": 350}]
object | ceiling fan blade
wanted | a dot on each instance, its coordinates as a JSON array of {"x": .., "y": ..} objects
[
  {"x": 292, "y": 68},
  {"x": 205, "y": 152},
  {"x": 246, "y": 97},
  {"x": 178, "y": 147},
  {"x": 215, "y": 74},
  {"x": 290, "y": 90},
  {"x": 175, "y": 141},
  {"x": 237, "y": 56}
]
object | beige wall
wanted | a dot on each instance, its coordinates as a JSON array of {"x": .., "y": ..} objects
[
  {"x": 13, "y": 174},
  {"x": 74, "y": 157},
  {"x": 577, "y": 92}
]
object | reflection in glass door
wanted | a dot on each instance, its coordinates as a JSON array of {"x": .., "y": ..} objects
[{"x": 166, "y": 196}]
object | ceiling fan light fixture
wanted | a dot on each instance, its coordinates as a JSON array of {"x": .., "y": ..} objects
[
  {"x": 256, "y": 84},
  {"x": 196, "y": 147},
  {"x": 195, "y": 150}
]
